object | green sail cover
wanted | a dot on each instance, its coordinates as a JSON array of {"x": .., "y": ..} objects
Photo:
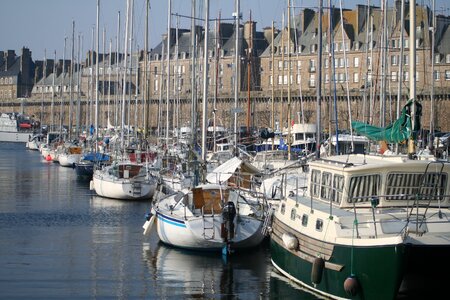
[{"x": 397, "y": 132}]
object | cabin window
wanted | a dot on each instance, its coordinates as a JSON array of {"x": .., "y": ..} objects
[
  {"x": 293, "y": 214},
  {"x": 363, "y": 187},
  {"x": 283, "y": 208},
  {"x": 319, "y": 224},
  {"x": 338, "y": 187},
  {"x": 430, "y": 187},
  {"x": 315, "y": 183},
  {"x": 325, "y": 189},
  {"x": 305, "y": 220}
]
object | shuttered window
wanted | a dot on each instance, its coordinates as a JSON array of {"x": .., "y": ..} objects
[{"x": 363, "y": 187}]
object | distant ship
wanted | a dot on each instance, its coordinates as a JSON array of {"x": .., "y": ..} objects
[{"x": 16, "y": 127}]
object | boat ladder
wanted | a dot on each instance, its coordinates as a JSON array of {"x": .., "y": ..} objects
[
  {"x": 137, "y": 188},
  {"x": 267, "y": 226},
  {"x": 208, "y": 226}
]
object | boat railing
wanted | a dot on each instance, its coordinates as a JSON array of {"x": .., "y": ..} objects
[{"x": 411, "y": 209}]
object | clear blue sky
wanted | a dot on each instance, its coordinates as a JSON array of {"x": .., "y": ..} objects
[{"x": 43, "y": 24}]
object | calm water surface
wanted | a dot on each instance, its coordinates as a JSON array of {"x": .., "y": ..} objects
[{"x": 59, "y": 241}]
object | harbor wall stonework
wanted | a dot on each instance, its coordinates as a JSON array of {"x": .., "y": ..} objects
[{"x": 260, "y": 107}]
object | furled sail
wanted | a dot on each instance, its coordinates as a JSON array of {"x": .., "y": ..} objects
[{"x": 396, "y": 132}]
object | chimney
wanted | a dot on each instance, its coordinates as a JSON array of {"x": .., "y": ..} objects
[
  {"x": 250, "y": 32},
  {"x": 9, "y": 57},
  {"x": 268, "y": 34},
  {"x": 26, "y": 65}
]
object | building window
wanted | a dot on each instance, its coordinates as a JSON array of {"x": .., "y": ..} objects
[
  {"x": 355, "y": 77},
  {"x": 447, "y": 58},
  {"x": 394, "y": 60},
  {"x": 280, "y": 64},
  {"x": 406, "y": 76},
  {"x": 437, "y": 58},
  {"x": 394, "y": 76},
  {"x": 447, "y": 74},
  {"x": 270, "y": 80},
  {"x": 280, "y": 80},
  {"x": 437, "y": 75},
  {"x": 270, "y": 65},
  {"x": 299, "y": 78},
  {"x": 299, "y": 64},
  {"x": 356, "y": 62},
  {"x": 312, "y": 80},
  {"x": 405, "y": 60}
]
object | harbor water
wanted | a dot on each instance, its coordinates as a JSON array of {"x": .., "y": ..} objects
[{"x": 60, "y": 241}]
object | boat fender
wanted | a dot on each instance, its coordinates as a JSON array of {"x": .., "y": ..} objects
[
  {"x": 48, "y": 158},
  {"x": 150, "y": 219},
  {"x": 91, "y": 185},
  {"x": 317, "y": 270},
  {"x": 351, "y": 285},
  {"x": 290, "y": 241}
]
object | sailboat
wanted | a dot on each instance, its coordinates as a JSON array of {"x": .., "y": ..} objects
[
  {"x": 125, "y": 178},
  {"x": 222, "y": 213}
]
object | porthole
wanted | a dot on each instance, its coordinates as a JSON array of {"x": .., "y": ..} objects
[
  {"x": 293, "y": 214},
  {"x": 305, "y": 220},
  {"x": 319, "y": 224}
]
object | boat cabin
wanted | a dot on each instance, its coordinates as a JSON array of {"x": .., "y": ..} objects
[{"x": 349, "y": 181}]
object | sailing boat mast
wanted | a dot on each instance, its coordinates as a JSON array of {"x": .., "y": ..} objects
[
  {"x": 52, "y": 122},
  {"x": 205, "y": 82},
  {"x": 289, "y": 138},
  {"x": 433, "y": 31},
  {"x": 61, "y": 108},
  {"x": 319, "y": 80},
  {"x": 412, "y": 73},
  {"x": 236, "y": 71},
  {"x": 273, "y": 83},
  {"x": 72, "y": 57},
  {"x": 169, "y": 21},
  {"x": 193, "y": 76},
  {"x": 124, "y": 86},
  {"x": 249, "y": 71},
  {"x": 96, "y": 75},
  {"x": 146, "y": 104}
]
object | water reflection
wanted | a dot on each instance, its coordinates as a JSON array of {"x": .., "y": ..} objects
[{"x": 207, "y": 275}]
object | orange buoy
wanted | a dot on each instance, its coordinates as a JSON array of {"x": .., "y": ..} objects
[
  {"x": 48, "y": 158},
  {"x": 351, "y": 285}
]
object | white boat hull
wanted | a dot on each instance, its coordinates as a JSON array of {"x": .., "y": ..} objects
[
  {"x": 68, "y": 160},
  {"x": 199, "y": 233},
  {"x": 15, "y": 137},
  {"x": 125, "y": 189}
]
